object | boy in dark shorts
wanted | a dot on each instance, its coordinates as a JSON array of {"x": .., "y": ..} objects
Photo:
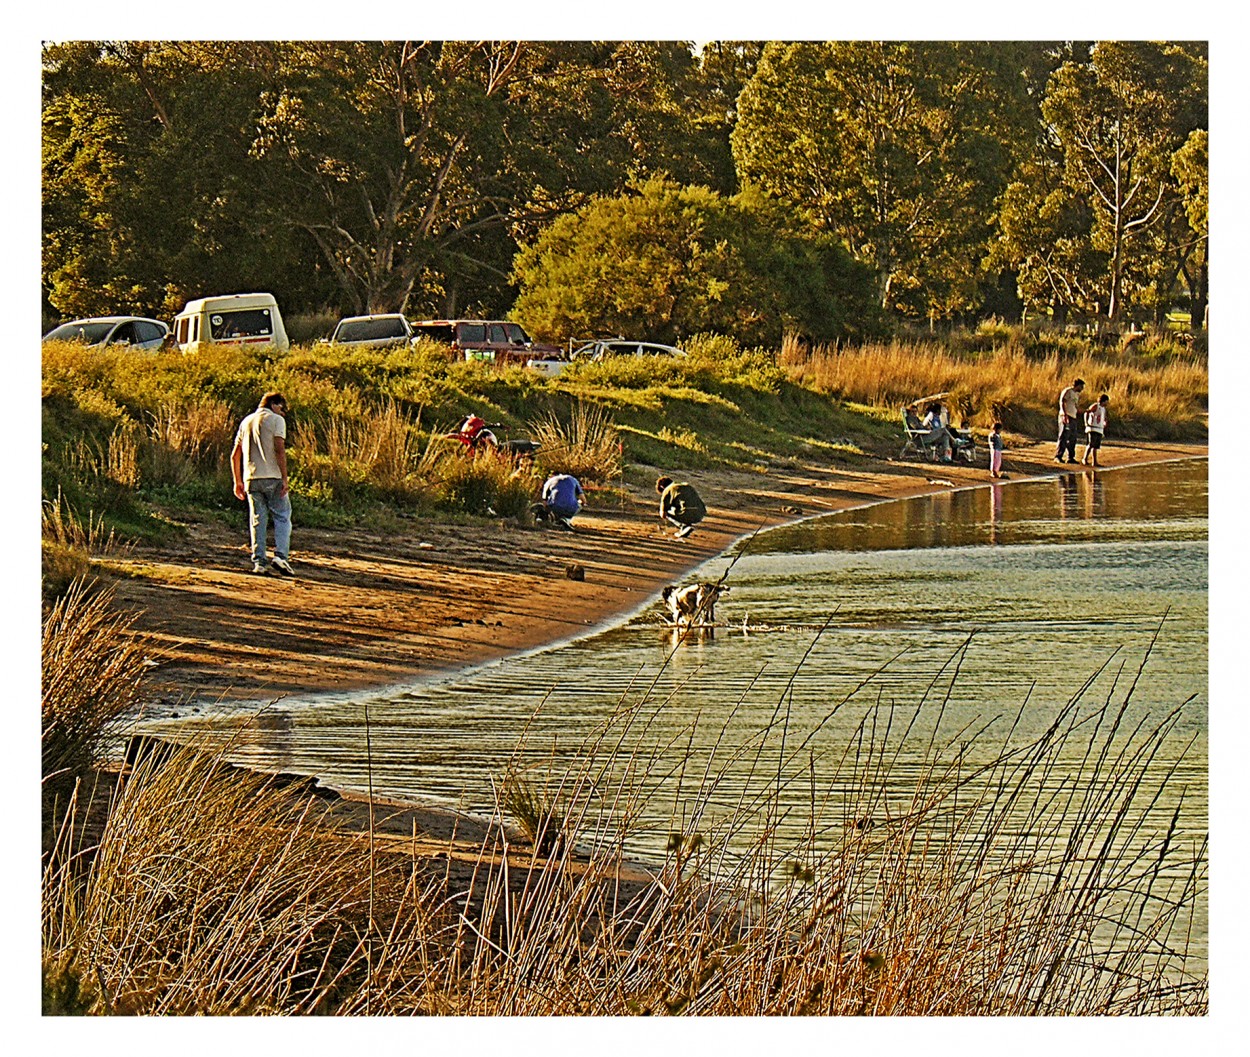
[{"x": 1095, "y": 427}]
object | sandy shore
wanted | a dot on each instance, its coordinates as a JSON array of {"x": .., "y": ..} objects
[{"x": 375, "y": 609}]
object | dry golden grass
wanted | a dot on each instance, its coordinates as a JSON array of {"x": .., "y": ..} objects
[
  {"x": 70, "y": 548},
  {"x": 588, "y": 445},
  {"x": 1155, "y": 397},
  {"x": 212, "y": 893},
  {"x": 382, "y": 447},
  {"x": 985, "y": 889},
  {"x": 202, "y": 430},
  {"x": 61, "y": 525},
  {"x": 92, "y": 668}
]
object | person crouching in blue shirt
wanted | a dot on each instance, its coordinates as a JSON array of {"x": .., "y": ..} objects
[{"x": 562, "y": 497}]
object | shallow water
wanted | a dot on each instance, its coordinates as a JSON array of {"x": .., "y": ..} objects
[{"x": 950, "y": 627}]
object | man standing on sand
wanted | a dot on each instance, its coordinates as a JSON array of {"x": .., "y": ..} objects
[
  {"x": 258, "y": 462},
  {"x": 680, "y": 505},
  {"x": 1068, "y": 401}
]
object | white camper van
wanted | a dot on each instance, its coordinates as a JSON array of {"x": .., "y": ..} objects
[{"x": 234, "y": 319}]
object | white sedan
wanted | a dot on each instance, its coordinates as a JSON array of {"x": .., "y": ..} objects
[
  {"x": 135, "y": 331},
  {"x": 603, "y": 348}
]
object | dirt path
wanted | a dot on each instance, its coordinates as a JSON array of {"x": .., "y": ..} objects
[{"x": 369, "y": 610}]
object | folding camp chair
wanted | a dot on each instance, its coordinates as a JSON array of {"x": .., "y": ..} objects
[{"x": 919, "y": 438}]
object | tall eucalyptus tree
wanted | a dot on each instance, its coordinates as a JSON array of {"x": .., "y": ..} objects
[{"x": 899, "y": 148}]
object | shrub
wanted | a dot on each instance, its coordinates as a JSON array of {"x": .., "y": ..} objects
[
  {"x": 488, "y": 484},
  {"x": 587, "y": 445},
  {"x": 307, "y": 327},
  {"x": 661, "y": 261},
  {"x": 92, "y": 667},
  {"x": 535, "y": 811}
]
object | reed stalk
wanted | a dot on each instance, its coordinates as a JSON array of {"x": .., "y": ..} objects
[{"x": 1011, "y": 877}]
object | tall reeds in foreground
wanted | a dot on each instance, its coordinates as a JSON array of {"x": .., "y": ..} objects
[
  {"x": 214, "y": 893},
  {"x": 1009, "y": 877},
  {"x": 92, "y": 669}
]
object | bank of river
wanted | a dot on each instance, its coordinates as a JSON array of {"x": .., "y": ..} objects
[{"x": 899, "y": 638}]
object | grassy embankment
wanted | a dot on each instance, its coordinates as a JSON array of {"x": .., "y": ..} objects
[
  {"x": 211, "y": 892},
  {"x": 134, "y": 441}
]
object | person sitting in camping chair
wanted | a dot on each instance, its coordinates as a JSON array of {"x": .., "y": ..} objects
[
  {"x": 962, "y": 442},
  {"x": 920, "y": 439},
  {"x": 938, "y": 436}
]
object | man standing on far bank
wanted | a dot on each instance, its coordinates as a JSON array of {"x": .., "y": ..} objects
[
  {"x": 258, "y": 463},
  {"x": 1068, "y": 401}
]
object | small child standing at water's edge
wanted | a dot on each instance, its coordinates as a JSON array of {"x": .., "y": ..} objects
[
  {"x": 1095, "y": 427},
  {"x": 996, "y": 450}
]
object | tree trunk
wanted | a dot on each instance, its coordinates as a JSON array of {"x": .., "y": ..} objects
[{"x": 1198, "y": 297}]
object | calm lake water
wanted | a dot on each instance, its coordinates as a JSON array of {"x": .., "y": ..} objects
[{"x": 955, "y": 625}]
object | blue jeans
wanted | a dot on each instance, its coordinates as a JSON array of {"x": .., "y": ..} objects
[
  {"x": 1067, "y": 440},
  {"x": 263, "y": 500},
  {"x": 564, "y": 513}
]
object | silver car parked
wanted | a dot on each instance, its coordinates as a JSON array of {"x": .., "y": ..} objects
[
  {"x": 604, "y": 348},
  {"x": 373, "y": 331},
  {"x": 136, "y": 331}
]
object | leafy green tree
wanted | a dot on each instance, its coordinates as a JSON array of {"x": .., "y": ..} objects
[
  {"x": 149, "y": 193},
  {"x": 1118, "y": 118},
  {"x": 664, "y": 262},
  {"x": 724, "y": 68},
  {"x": 898, "y": 148},
  {"x": 1190, "y": 169},
  {"x": 1043, "y": 236},
  {"x": 369, "y": 175}
]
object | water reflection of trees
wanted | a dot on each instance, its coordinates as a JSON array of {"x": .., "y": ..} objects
[{"x": 1004, "y": 514}]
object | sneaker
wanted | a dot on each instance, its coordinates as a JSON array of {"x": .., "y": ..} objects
[
  {"x": 260, "y": 569},
  {"x": 565, "y": 523},
  {"x": 282, "y": 566},
  {"x": 683, "y": 532}
]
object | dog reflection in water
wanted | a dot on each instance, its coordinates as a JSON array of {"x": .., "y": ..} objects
[{"x": 693, "y": 606}]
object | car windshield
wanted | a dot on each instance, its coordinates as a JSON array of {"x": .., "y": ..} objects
[
  {"x": 515, "y": 334},
  {"x": 245, "y": 323},
  {"x": 91, "y": 333},
  {"x": 370, "y": 329}
]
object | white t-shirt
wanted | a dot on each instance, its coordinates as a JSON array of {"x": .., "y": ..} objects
[
  {"x": 256, "y": 434},
  {"x": 1068, "y": 401}
]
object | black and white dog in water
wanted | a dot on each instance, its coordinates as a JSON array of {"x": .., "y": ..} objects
[{"x": 693, "y": 604}]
